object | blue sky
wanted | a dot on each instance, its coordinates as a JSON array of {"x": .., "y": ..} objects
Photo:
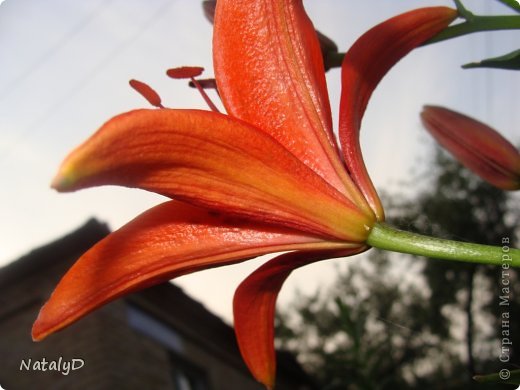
[{"x": 65, "y": 68}]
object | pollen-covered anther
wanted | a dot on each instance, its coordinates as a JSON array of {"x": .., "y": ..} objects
[
  {"x": 190, "y": 72},
  {"x": 147, "y": 92},
  {"x": 206, "y": 84},
  {"x": 185, "y": 72}
]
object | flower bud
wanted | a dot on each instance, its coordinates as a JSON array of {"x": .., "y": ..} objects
[{"x": 476, "y": 145}]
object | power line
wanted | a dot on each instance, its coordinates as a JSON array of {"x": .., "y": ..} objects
[
  {"x": 53, "y": 50},
  {"x": 36, "y": 124}
]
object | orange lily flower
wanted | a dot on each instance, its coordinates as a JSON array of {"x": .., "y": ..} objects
[
  {"x": 477, "y": 146},
  {"x": 267, "y": 177}
]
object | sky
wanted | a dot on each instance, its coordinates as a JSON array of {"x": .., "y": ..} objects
[{"x": 65, "y": 68}]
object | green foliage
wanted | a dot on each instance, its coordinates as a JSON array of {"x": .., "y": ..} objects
[
  {"x": 349, "y": 336},
  {"x": 513, "y": 377},
  {"x": 513, "y": 4},
  {"x": 509, "y": 61}
]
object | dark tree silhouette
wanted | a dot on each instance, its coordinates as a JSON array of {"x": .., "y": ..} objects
[{"x": 395, "y": 321}]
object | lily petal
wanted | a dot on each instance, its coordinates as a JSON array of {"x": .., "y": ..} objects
[
  {"x": 254, "y": 308},
  {"x": 476, "y": 145},
  {"x": 213, "y": 161},
  {"x": 269, "y": 71},
  {"x": 167, "y": 241},
  {"x": 365, "y": 64}
]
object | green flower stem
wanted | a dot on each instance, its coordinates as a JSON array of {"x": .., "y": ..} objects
[
  {"x": 473, "y": 23},
  {"x": 477, "y": 23},
  {"x": 386, "y": 237}
]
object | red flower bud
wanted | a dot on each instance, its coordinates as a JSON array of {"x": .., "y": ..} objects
[{"x": 476, "y": 145}]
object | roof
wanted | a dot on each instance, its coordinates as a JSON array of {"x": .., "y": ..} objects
[{"x": 67, "y": 248}]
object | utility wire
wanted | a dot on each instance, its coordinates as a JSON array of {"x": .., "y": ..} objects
[
  {"x": 38, "y": 122},
  {"x": 52, "y": 51}
]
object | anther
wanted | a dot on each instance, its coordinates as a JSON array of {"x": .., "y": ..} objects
[
  {"x": 206, "y": 84},
  {"x": 185, "y": 72},
  {"x": 147, "y": 92},
  {"x": 190, "y": 72}
]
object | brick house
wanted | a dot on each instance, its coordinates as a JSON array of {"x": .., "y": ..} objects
[{"x": 159, "y": 338}]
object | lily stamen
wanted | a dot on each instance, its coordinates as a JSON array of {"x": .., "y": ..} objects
[
  {"x": 147, "y": 92},
  {"x": 206, "y": 84},
  {"x": 190, "y": 72}
]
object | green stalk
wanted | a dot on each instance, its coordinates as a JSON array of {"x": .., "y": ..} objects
[
  {"x": 473, "y": 23},
  {"x": 477, "y": 23},
  {"x": 386, "y": 237}
]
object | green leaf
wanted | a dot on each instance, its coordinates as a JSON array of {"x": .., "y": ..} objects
[
  {"x": 514, "y": 4},
  {"x": 504, "y": 376},
  {"x": 509, "y": 61}
]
